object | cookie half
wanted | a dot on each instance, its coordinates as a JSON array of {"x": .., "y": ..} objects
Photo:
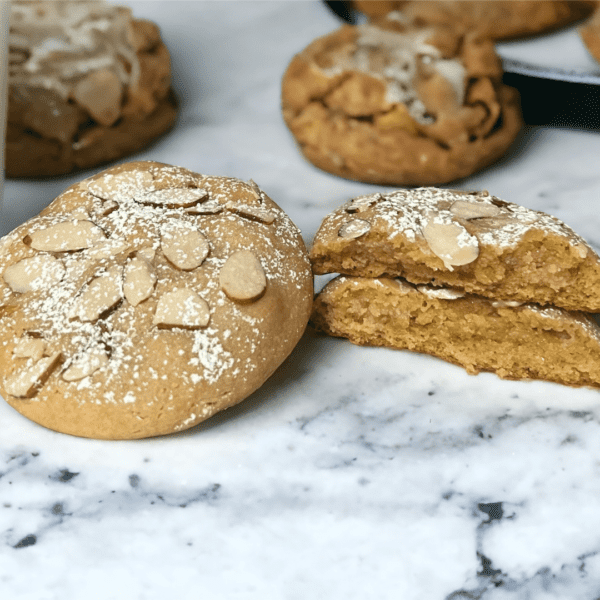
[
  {"x": 147, "y": 298},
  {"x": 497, "y": 20},
  {"x": 88, "y": 84},
  {"x": 471, "y": 241},
  {"x": 398, "y": 104},
  {"x": 515, "y": 342}
]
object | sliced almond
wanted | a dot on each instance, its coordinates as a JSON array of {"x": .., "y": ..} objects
[
  {"x": 86, "y": 364},
  {"x": 138, "y": 281},
  {"x": 147, "y": 253},
  {"x": 474, "y": 210},
  {"x": 354, "y": 229},
  {"x": 207, "y": 208},
  {"x": 452, "y": 243},
  {"x": 184, "y": 246},
  {"x": 173, "y": 197},
  {"x": 108, "y": 207},
  {"x": 67, "y": 236},
  {"x": 27, "y": 382},
  {"x": 242, "y": 277},
  {"x": 29, "y": 347},
  {"x": 108, "y": 248},
  {"x": 120, "y": 186},
  {"x": 182, "y": 308},
  {"x": 362, "y": 203},
  {"x": 100, "y": 295},
  {"x": 255, "y": 189},
  {"x": 100, "y": 93},
  {"x": 80, "y": 214},
  {"x": 254, "y": 213},
  {"x": 441, "y": 293},
  {"x": 34, "y": 273}
]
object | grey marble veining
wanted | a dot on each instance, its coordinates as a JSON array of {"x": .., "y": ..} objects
[{"x": 353, "y": 473}]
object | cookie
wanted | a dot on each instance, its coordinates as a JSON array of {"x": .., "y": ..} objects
[
  {"x": 399, "y": 105},
  {"x": 147, "y": 298},
  {"x": 470, "y": 241},
  {"x": 88, "y": 84},
  {"x": 497, "y": 20},
  {"x": 590, "y": 34},
  {"x": 515, "y": 342}
]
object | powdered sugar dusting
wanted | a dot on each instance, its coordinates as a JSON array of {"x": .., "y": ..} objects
[{"x": 87, "y": 318}]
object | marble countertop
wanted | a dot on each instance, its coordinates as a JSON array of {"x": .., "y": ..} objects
[{"x": 353, "y": 473}]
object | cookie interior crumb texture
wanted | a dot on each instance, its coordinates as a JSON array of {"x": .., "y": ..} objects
[
  {"x": 515, "y": 342},
  {"x": 147, "y": 298},
  {"x": 391, "y": 103},
  {"x": 471, "y": 241},
  {"x": 88, "y": 84}
]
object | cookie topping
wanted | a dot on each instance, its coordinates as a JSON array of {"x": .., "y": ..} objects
[
  {"x": 26, "y": 382},
  {"x": 242, "y": 278},
  {"x": 474, "y": 210},
  {"x": 116, "y": 187},
  {"x": 67, "y": 236},
  {"x": 363, "y": 203},
  {"x": 34, "y": 273},
  {"x": 451, "y": 242},
  {"x": 100, "y": 295},
  {"x": 29, "y": 347},
  {"x": 354, "y": 229},
  {"x": 184, "y": 246},
  {"x": 87, "y": 363},
  {"x": 441, "y": 293},
  {"x": 255, "y": 213},
  {"x": 139, "y": 280},
  {"x": 182, "y": 308},
  {"x": 173, "y": 197}
]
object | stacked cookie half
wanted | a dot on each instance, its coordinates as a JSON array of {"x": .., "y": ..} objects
[{"x": 466, "y": 277}]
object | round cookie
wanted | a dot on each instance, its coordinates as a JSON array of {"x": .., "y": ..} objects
[
  {"x": 398, "y": 105},
  {"x": 590, "y": 34},
  {"x": 147, "y": 298},
  {"x": 498, "y": 20},
  {"x": 88, "y": 84}
]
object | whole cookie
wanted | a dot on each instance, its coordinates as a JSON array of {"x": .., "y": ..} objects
[
  {"x": 147, "y": 298},
  {"x": 397, "y": 104},
  {"x": 498, "y": 20},
  {"x": 88, "y": 84}
]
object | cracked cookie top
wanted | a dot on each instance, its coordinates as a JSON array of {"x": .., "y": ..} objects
[
  {"x": 389, "y": 102},
  {"x": 145, "y": 299}
]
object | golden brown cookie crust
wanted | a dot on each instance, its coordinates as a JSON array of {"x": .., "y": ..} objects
[
  {"x": 590, "y": 34},
  {"x": 147, "y": 298},
  {"x": 59, "y": 119},
  {"x": 399, "y": 105},
  {"x": 497, "y": 19},
  {"x": 515, "y": 342},
  {"x": 470, "y": 241}
]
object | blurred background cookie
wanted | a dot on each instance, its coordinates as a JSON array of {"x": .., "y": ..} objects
[
  {"x": 498, "y": 19},
  {"x": 590, "y": 34},
  {"x": 391, "y": 103},
  {"x": 146, "y": 299},
  {"x": 88, "y": 84}
]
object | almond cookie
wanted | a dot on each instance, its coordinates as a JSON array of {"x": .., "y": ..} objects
[
  {"x": 470, "y": 241},
  {"x": 514, "y": 341},
  {"x": 497, "y": 20},
  {"x": 590, "y": 34},
  {"x": 88, "y": 84},
  {"x": 147, "y": 298},
  {"x": 397, "y": 104}
]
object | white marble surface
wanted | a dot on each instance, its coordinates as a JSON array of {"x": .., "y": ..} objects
[{"x": 353, "y": 473}]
